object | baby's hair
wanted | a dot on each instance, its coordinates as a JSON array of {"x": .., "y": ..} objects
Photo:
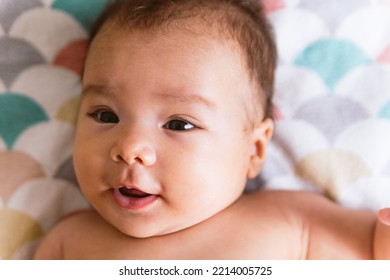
[{"x": 242, "y": 21}]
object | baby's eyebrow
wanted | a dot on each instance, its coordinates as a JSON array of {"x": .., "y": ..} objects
[
  {"x": 187, "y": 99},
  {"x": 95, "y": 89}
]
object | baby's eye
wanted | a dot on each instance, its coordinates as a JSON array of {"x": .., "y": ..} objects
[
  {"x": 105, "y": 116},
  {"x": 179, "y": 125}
]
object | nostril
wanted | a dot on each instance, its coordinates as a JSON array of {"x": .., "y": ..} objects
[
  {"x": 137, "y": 160},
  {"x": 129, "y": 160},
  {"x": 131, "y": 152}
]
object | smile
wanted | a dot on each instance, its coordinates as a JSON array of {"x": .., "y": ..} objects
[{"x": 133, "y": 199}]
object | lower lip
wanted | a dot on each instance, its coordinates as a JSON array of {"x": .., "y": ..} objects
[{"x": 133, "y": 203}]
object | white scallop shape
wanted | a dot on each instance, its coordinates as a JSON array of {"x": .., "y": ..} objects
[
  {"x": 367, "y": 193},
  {"x": 51, "y": 86},
  {"x": 369, "y": 28},
  {"x": 47, "y": 200},
  {"x": 368, "y": 85},
  {"x": 370, "y": 140},
  {"x": 47, "y": 3},
  {"x": 48, "y": 30},
  {"x": 289, "y": 182},
  {"x": 292, "y": 3},
  {"x": 277, "y": 163},
  {"x": 49, "y": 143},
  {"x": 298, "y": 138},
  {"x": 295, "y": 29},
  {"x": 294, "y": 86}
]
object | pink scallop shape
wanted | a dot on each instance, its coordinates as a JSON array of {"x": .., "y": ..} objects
[
  {"x": 72, "y": 56},
  {"x": 277, "y": 113},
  {"x": 382, "y": 2},
  {"x": 385, "y": 56},
  {"x": 16, "y": 169},
  {"x": 272, "y": 5}
]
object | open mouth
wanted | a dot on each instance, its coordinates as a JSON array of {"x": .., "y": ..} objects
[
  {"x": 133, "y": 199},
  {"x": 133, "y": 193}
]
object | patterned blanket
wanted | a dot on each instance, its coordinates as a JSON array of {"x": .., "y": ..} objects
[{"x": 332, "y": 107}]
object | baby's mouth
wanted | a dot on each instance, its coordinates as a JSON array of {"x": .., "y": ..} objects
[
  {"x": 133, "y": 192},
  {"x": 132, "y": 198}
]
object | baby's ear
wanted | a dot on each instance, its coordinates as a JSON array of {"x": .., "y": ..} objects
[{"x": 261, "y": 136}]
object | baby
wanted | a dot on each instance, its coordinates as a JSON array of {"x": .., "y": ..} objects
[{"x": 175, "y": 117}]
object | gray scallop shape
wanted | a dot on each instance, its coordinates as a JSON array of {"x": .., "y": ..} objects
[
  {"x": 331, "y": 114},
  {"x": 333, "y": 12},
  {"x": 10, "y": 10},
  {"x": 66, "y": 172},
  {"x": 15, "y": 56}
]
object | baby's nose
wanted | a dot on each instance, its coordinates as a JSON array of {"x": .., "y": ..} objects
[{"x": 134, "y": 148}]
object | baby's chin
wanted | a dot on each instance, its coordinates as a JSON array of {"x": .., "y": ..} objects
[
  {"x": 148, "y": 231},
  {"x": 159, "y": 222},
  {"x": 142, "y": 229},
  {"x": 143, "y": 233}
]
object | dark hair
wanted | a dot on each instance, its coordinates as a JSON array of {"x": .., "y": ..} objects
[{"x": 241, "y": 20}]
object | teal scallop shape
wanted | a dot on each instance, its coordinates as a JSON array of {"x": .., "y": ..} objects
[
  {"x": 85, "y": 12},
  {"x": 385, "y": 111},
  {"x": 332, "y": 59},
  {"x": 17, "y": 113}
]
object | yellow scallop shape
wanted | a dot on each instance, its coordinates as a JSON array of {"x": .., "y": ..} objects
[
  {"x": 68, "y": 111},
  {"x": 332, "y": 170},
  {"x": 16, "y": 229}
]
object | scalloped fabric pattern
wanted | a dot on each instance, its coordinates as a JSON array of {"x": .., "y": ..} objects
[
  {"x": 332, "y": 100},
  {"x": 332, "y": 107},
  {"x": 42, "y": 49}
]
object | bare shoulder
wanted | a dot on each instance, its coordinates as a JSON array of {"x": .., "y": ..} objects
[
  {"x": 277, "y": 220},
  {"x": 284, "y": 209},
  {"x": 308, "y": 204},
  {"x": 301, "y": 207},
  {"x": 293, "y": 202},
  {"x": 69, "y": 228},
  {"x": 286, "y": 203},
  {"x": 327, "y": 230}
]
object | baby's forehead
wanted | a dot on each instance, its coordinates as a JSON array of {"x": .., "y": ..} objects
[
  {"x": 207, "y": 25},
  {"x": 191, "y": 32},
  {"x": 240, "y": 24},
  {"x": 193, "y": 44},
  {"x": 203, "y": 21},
  {"x": 195, "y": 26}
]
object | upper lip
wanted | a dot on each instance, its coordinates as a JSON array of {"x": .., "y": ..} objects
[
  {"x": 133, "y": 192},
  {"x": 132, "y": 187},
  {"x": 137, "y": 181},
  {"x": 125, "y": 185}
]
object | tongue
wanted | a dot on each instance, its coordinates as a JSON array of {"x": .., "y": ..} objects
[{"x": 132, "y": 192}]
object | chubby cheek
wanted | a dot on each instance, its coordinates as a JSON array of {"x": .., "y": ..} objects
[
  {"x": 83, "y": 166},
  {"x": 87, "y": 157},
  {"x": 208, "y": 171}
]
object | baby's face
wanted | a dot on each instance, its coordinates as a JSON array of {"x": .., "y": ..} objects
[{"x": 162, "y": 140}]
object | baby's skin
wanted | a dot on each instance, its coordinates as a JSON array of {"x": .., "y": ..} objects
[{"x": 163, "y": 150}]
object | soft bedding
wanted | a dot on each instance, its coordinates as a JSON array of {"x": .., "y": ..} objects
[{"x": 332, "y": 107}]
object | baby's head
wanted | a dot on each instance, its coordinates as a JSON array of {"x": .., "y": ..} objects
[
  {"x": 175, "y": 111},
  {"x": 237, "y": 22}
]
